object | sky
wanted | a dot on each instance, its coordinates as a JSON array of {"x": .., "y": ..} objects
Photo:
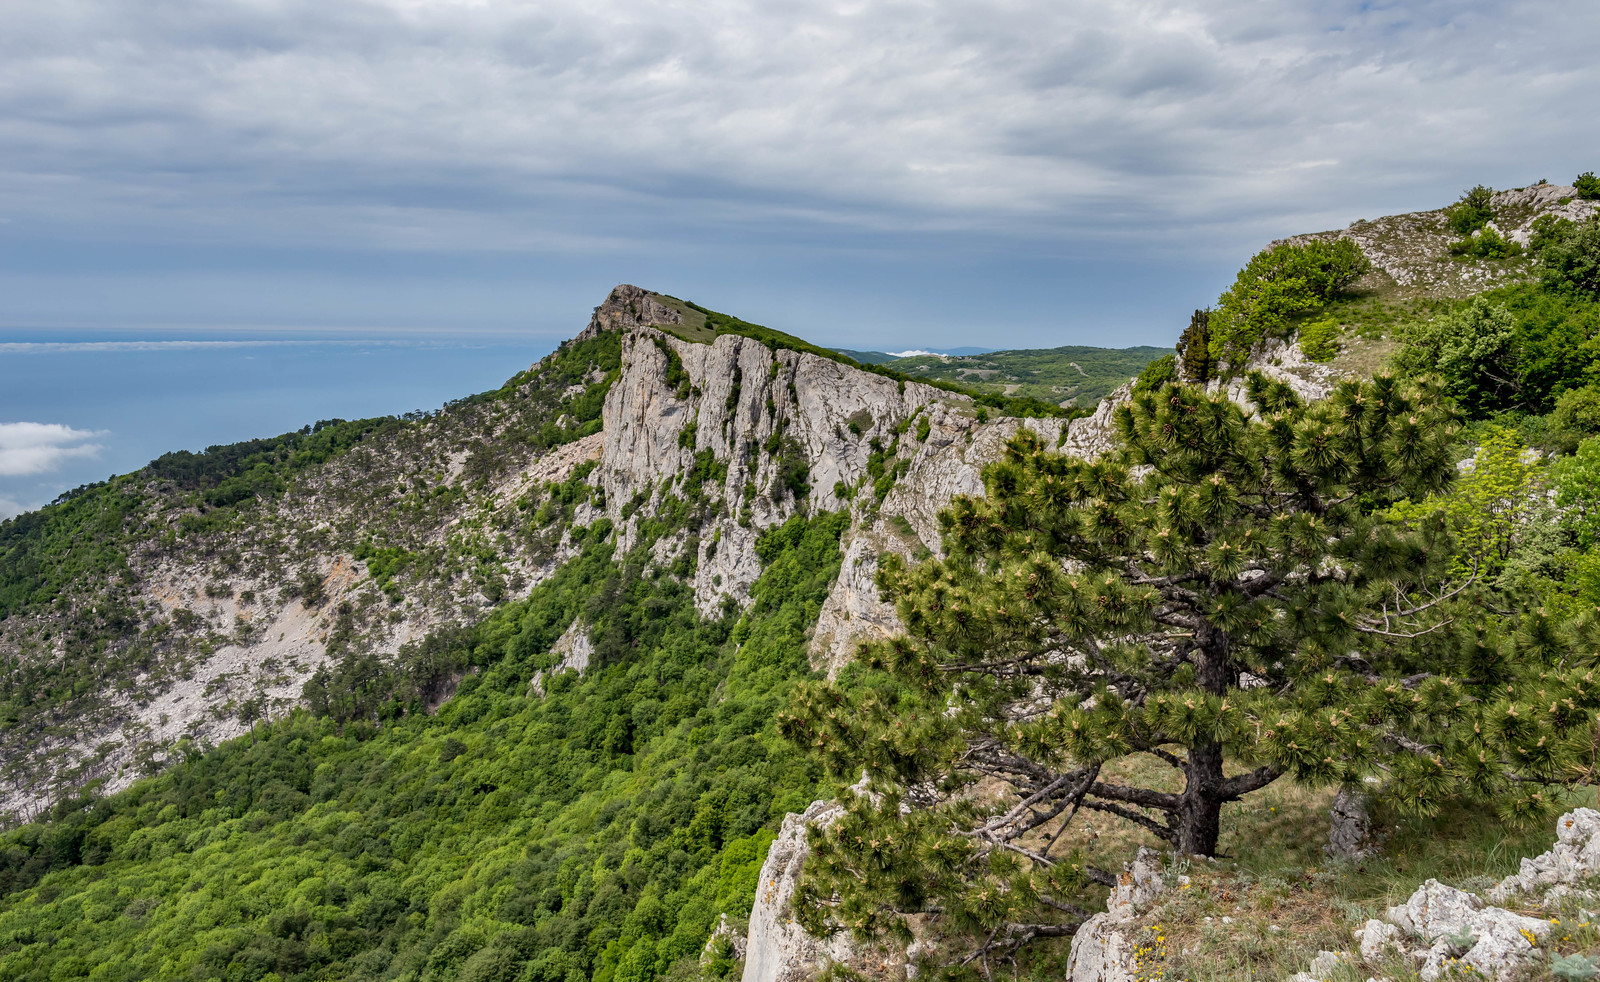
[{"x": 472, "y": 176}]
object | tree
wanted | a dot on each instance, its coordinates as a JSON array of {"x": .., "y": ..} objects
[
  {"x": 1587, "y": 186},
  {"x": 1472, "y": 212},
  {"x": 1194, "y": 349},
  {"x": 1570, "y": 257},
  {"x": 1577, "y": 483},
  {"x": 1218, "y": 598},
  {"x": 1161, "y": 372},
  {"x": 1474, "y": 349},
  {"x": 1490, "y": 505}
]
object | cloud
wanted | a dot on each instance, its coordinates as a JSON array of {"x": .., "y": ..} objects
[
  {"x": 579, "y": 124},
  {"x": 38, "y": 448},
  {"x": 10, "y": 509}
]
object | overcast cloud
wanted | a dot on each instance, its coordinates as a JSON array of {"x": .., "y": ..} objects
[
  {"x": 453, "y": 122},
  {"x": 590, "y": 130},
  {"x": 897, "y": 175}
]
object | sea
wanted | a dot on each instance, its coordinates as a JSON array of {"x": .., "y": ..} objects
[{"x": 111, "y": 401}]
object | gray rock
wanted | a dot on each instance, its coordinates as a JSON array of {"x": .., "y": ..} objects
[
  {"x": 779, "y": 949},
  {"x": 1350, "y": 834},
  {"x": 1439, "y": 914},
  {"x": 1574, "y": 857},
  {"x": 1378, "y": 941},
  {"x": 1105, "y": 947},
  {"x": 724, "y": 930}
]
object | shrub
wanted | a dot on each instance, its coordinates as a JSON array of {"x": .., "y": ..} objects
[
  {"x": 1486, "y": 243},
  {"x": 1320, "y": 339},
  {"x": 1156, "y": 374},
  {"x": 1571, "y": 257},
  {"x": 1587, "y": 186},
  {"x": 1472, "y": 212},
  {"x": 1578, "y": 409},
  {"x": 1280, "y": 283}
]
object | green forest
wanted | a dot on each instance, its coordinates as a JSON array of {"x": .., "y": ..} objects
[
  {"x": 594, "y": 832},
  {"x": 1073, "y": 375}
]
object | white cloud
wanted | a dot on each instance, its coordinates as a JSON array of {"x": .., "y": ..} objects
[
  {"x": 38, "y": 448},
  {"x": 10, "y": 509},
  {"x": 573, "y": 123}
]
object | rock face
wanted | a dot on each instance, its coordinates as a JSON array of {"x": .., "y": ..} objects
[
  {"x": 627, "y": 307},
  {"x": 779, "y": 950},
  {"x": 766, "y": 414},
  {"x": 1105, "y": 948}
]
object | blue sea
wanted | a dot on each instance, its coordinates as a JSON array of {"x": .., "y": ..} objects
[{"x": 112, "y": 401}]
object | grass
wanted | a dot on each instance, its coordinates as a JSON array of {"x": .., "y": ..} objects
[{"x": 1284, "y": 900}]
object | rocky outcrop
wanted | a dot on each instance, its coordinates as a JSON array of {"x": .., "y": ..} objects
[
  {"x": 1441, "y": 929},
  {"x": 1574, "y": 857},
  {"x": 1412, "y": 251},
  {"x": 779, "y": 949},
  {"x": 1106, "y": 949},
  {"x": 628, "y": 307},
  {"x": 1283, "y": 361},
  {"x": 725, "y": 935}
]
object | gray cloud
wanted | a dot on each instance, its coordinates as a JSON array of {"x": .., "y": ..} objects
[{"x": 565, "y": 125}]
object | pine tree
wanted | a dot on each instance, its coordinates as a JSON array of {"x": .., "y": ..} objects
[
  {"x": 1222, "y": 597},
  {"x": 1194, "y": 349}
]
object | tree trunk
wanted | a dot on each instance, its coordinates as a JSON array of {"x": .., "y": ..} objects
[{"x": 1200, "y": 809}]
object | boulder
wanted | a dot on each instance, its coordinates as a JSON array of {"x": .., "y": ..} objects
[
  {"x": 1350, "y": 834},
  {"x": 1497, "y": 941}
]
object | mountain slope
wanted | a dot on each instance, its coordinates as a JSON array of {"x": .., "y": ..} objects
[
  {"x": 170, "y": 609},
  {"x": 541, "y": 637}
]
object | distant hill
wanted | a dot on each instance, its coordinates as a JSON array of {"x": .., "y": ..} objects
[
  {"x": 881, "y": 357},
  {"x": 1078, "y": 375}
]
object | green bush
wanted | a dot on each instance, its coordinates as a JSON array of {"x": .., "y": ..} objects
[
  {"x": 1485, "y": 243},
  {"x": 1587, "y": 186},
  {"x": 1319, "y": 339},
  {"x": 1162, "y": 371},
  {"x": 1276, "y": 286},
  {"x": 1579, "y": 410},
  {"x": 1570, "y": 257},
  {"x": 1472, "y": 212}
]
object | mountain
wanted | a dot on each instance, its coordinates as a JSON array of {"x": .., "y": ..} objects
[
  {"x": 173, "y": 608},
  {"x": 493, "y": 692}
]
